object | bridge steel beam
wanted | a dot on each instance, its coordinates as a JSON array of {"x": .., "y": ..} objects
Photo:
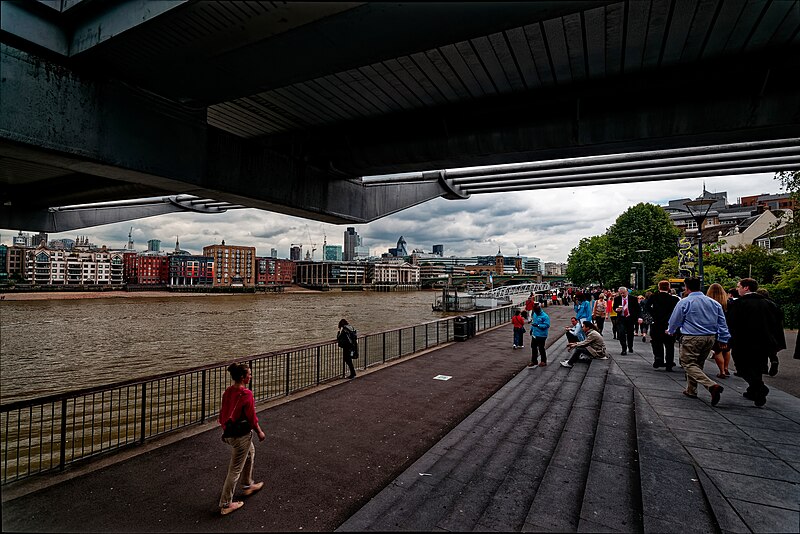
[
  {"x": 135, "y": 144},
  {"x": 739, "y": 100}
]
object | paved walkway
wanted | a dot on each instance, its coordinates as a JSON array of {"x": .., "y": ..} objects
[
  {"x": 607, "y": 446},
  {"x": 610, "y": 445}
]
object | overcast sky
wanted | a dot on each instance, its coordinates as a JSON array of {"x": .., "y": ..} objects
[{"x": 544, "y": 224}]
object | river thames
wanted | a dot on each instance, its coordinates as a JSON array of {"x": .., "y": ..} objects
[{"x": 53, "y": 346}]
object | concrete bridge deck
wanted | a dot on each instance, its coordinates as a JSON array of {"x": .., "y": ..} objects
[{"x": 606, "y": 446}]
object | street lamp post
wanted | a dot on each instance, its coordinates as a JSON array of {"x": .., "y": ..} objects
[
  {"x": 636, "y": 270},
  {"x": 698, "y": 209},
  {"x": 643, "y": 251}
]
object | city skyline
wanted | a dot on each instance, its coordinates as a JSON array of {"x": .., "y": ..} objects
[{"x": 545, "y": 224}]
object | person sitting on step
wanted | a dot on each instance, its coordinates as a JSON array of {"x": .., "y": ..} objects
[{"x": 593, "y": 346}]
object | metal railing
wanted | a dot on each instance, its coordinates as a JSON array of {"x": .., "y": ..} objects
[{"x": 49, "y": 433}]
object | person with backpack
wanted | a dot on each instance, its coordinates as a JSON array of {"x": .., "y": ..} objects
[{"x": 348, "y": 341}]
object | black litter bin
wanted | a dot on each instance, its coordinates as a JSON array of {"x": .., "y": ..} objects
[
  {"x": 472, "y": 325},
  {"x": 460, "y": 329}
]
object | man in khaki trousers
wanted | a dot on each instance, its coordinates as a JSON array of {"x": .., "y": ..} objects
[{"x": 701, "y": 321}]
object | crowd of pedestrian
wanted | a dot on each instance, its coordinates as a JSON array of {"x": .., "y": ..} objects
[{"x": 742, "y": 326}]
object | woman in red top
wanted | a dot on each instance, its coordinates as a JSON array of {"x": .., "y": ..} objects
[{"x": 238, "y": 404}]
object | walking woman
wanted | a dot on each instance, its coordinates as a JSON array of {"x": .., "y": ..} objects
[
  {"x": 612, "y": 314},
  {"x": 722, "y": 357},
  {"x": 600, "y": 312},
  {"x": 237, "y": 416},
  {"x": 348, "y": 341}
]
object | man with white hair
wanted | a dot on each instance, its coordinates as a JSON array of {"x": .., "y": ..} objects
[{"x": 628, "y": 312}]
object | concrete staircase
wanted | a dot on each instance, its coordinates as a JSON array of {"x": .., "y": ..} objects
[{"x": 554, "y": 450}]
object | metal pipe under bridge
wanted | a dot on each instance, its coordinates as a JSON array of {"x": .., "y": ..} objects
[{"x": 512, "y": 291}]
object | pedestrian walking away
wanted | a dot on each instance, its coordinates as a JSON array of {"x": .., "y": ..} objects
[
  {"x": 722, "y": 357},
  {"x": 702, "y": 322},
  {"x": 540, "y": 326},
  {"x": 661, "y": 305},
  {"x": 237, "y": 416},
  {"x": 347, "y": 338},
  {"x": 756, "y": 325},
  {"x": 593, "y": 347},
  {"x": 627, "y": 317},
  {"x": 773, "y": 358}
]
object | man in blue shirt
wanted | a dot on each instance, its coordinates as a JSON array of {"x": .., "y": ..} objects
[{"x": 702, "y": 322}]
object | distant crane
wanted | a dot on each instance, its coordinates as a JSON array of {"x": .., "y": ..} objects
[
  {"x": 130, "y": 239},
  {"x": 310, "y": 243}
]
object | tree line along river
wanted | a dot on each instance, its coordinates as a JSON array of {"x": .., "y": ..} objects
[{"x": 54, "y": 346}]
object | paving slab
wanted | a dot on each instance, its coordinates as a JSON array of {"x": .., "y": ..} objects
[
  {"x": 760, "y": 518},
  {"x": 745, "y": 464},
  {"x": 757, "y": 489}
]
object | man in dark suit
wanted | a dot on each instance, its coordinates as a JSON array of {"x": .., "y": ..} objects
[
  {"x": 628, "y": 313},
  {"x": 660, "y": 306},
  {"x": 756, "y": 326}
]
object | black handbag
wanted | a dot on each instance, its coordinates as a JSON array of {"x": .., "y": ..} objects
[{"x": 236, "y": 429}]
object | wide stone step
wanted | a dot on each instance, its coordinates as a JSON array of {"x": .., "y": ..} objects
[
  {"x": 557, "y": 503},
  {"x": 612, "y": 497},
  {"x": 469, "y": 462}
]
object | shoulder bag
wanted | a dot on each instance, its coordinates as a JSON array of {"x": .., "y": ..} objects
[{"x": 238, "y": 428}]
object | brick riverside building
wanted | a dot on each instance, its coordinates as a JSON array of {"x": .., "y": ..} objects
[
  {"x": 233, "y": 266},
  {"x": 190, "y": 271},
  {"x": 272, "y": 271}
]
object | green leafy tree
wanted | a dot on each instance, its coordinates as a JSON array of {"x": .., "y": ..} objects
[
  {"x": 667, "y": 270},
  {"x": 717, "y": 275},
  {"x": 749, "y": 261},
  {"x": 641, "y": 227},
  {"x": 588, "y": 263},
  {"x": 786, "y": 294},
  {"x": 790, "y": 180}
]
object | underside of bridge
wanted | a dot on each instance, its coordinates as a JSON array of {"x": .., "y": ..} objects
[{"x": 288, "y": 106}]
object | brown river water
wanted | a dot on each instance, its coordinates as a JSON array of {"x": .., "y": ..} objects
[{"x": 53, "y": 346}]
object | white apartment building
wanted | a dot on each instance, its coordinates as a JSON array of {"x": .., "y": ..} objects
[
  {"x": 59, "y": 267},
  {"x": 395, "y": 273}
]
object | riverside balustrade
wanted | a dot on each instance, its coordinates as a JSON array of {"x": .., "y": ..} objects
[{"x": 48, "y": 434}]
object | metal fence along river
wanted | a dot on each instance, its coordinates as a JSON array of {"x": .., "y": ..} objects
[{"x": 49, "y": 433}]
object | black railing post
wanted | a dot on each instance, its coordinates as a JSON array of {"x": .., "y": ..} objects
[
  {"x": 413, "y": 339},
  {"x": 399, "y": 342},
  {"x": 203, "y": 397},
  {"x": 62, "y": 459},
  {"x": 426, "y": 335},
  {"x": 144, "y": 412},
  {"x": 384, "y": 347},
  {"x": 319, "y": 359},
  {"x": 288, "y": 370}
]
